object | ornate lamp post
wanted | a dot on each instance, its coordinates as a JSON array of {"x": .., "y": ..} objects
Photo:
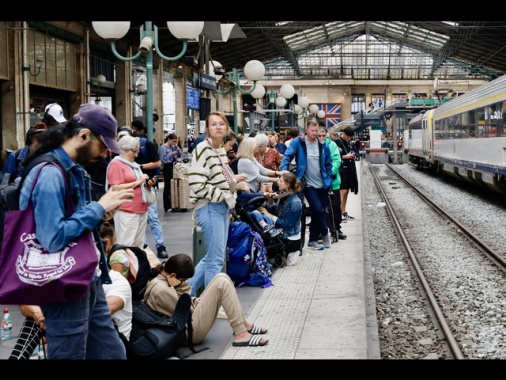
[
  {"x": 253, "y": 70},
  {"x": 279, "y": 100},
  {"x": 114, "y": 30}
]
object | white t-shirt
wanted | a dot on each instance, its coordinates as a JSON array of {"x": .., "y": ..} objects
[{"x": 120, "y": 287}]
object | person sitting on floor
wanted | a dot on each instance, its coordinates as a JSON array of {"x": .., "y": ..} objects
[{"x": 163, "y": 291}]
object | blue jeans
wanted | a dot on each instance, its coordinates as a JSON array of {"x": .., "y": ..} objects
[
  {"x": 258, "y": 216},
  {"x": 83, "y": 328},
  {"x": 213, "y": 218},
  {"x": 318, "y": 200},
  {"x": 154, "y": 224}
]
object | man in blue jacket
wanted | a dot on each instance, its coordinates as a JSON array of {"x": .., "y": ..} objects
[{"x": 314, "y": 169}]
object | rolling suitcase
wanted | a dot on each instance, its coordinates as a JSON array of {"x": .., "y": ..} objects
[
  {"x": 174, "y": 196},
  {"x": 180, "y": 194},
  {"x": 199, "y": 247}
]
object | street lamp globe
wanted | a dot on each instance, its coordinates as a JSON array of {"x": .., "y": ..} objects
[
  {"x": 313, "y": 108},
  {"x": 111, "y": 30},
  {"x": 303, "y": 101},
  {"x": 215, "y": 65},
  {"x": 320, "y": 114},
  {"x": 254, "y": 70},
  {"x": 287, "y": 91},
  {"x": 280, "y": 101},
  {"x": 258, "y": 92},
  {"x": 297, "y": 109},
  {"x": 186, "y": 29}
]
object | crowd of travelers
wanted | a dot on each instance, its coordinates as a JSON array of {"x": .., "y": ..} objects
[{"x": 112, "y": 171}]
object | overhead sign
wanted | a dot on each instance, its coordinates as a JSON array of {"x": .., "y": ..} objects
[{"x": 207, "y": 82}]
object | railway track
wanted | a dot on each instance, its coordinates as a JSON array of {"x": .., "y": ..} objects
[{"x": 459, "y": 277}]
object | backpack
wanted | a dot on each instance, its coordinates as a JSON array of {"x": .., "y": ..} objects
[
  {"x": 157, "y": 337},
  {"x": 9, "y": 191},
  {"x": 144, "y": 273},
  {"x": 144, "y": 151},
  {"x": 247, "y": 256}
]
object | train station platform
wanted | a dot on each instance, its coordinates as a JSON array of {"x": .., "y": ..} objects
[{"x": 320, "y": 308}]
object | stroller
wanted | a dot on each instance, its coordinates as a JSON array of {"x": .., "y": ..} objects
[{"x": 274, "y": 245}]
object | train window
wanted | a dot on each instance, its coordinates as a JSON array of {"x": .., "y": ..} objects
[
  {"x": 472, "y": 123},
  {"x": 464, "y": 124},
  {"x": 482, "y": 121}
]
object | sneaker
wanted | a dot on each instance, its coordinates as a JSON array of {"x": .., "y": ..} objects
[
  {"x": 326, "y": 241},
  {"x": 346, "y": 216},
  {"x": 162, "y": 252},
  {"x": 341, "y": 235},
  {"x": 316, "y": 245},
  {"x": 268, "y": 227},
  {"x": 292, "y": 258},
  {"x": 275, "y": 232}
]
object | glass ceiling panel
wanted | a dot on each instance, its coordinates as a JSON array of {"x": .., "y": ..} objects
[{"x": 366, "y": 50}]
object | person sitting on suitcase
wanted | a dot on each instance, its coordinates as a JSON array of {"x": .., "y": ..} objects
[
  {"x": 163, "y": 292},
  {"x": 285, "y": 210}
]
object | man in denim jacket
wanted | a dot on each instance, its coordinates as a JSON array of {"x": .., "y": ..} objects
[{"x": 82, "y": 328}]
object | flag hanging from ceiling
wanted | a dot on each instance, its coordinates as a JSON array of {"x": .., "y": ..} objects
[{"x": 332, "y": 113}]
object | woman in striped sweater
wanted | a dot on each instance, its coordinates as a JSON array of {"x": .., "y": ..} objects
[{"x": 212, "y": 191}]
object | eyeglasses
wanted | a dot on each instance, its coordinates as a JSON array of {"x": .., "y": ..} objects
[
  {"x": 221, "y": 124},
  {"x": 135, "y": 151},
  {"x": 101, "y": 139}
]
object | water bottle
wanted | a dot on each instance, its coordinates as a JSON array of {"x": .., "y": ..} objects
[{"x": 6, "y": 325}]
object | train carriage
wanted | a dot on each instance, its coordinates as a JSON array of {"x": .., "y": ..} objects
[{"x": 466, "y": 137}]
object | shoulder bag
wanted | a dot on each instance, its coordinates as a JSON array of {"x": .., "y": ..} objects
[
  {"x": 150, "y": 196},
  {"x": 30, "y": 274}
]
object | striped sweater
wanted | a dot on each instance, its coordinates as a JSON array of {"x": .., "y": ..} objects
[{"x": 205, "y": 177}]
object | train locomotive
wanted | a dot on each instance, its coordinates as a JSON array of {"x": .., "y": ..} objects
[{"x": 464, "y": 138}]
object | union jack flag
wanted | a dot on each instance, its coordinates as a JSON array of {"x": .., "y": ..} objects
[{"x": 332, "y": 113}]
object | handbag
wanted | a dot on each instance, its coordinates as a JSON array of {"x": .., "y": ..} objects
[
  {"x": 150, "y": 196},
  {"x": 181, "y": 170},
  {"x": 30, "y": 274}
]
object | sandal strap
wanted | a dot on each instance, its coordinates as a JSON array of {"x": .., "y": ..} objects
[{"x": 256, "y": 330}]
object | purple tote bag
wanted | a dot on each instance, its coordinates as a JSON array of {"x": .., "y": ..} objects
[{"x": 31, "y": 275}]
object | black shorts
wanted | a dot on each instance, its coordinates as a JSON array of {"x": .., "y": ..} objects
[{"x": 344, "y": 171}]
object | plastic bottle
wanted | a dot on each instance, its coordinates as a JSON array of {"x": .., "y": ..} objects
[{"x": 6, "y": 325}]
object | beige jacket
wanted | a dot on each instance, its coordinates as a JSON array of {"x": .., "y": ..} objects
[{"x": 162, "y": 297}]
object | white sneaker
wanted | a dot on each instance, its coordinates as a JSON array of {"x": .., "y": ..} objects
[{"x": 292, "y": 258}]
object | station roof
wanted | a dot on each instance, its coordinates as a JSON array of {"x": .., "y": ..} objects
[{"x": 327, "y": 50}]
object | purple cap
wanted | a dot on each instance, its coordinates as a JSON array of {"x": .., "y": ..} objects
[{"x": 101, "y": 122}]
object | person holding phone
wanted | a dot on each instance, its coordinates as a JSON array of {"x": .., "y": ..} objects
[
  {"x": 123, "y": 172},
  {"x": 169, "y": 152}
]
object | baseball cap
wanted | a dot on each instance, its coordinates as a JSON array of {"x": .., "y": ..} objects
[
  {"x": 100, "y": 121},
  {"x": 55, "y": 110},
  {"x": 349, "y": 131}
]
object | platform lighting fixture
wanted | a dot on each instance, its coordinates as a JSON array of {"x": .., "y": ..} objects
[
  {"x": 115, "y": 30},
  {"x": 38, "y": 66},
  {"x": 253, "y": 71}
]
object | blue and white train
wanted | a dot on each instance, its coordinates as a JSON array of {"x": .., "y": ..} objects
[{"x": 465, "y": 137}]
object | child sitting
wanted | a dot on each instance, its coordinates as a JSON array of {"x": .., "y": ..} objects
[{"x": 244, "y": 195}]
